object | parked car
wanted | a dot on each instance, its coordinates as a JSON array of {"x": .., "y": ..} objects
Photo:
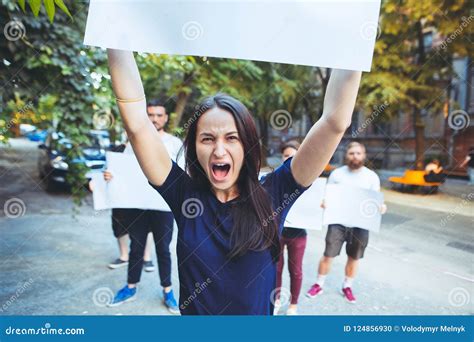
[
  {"x": 27, "y": 128},
  {"x": 37, "y": 135},
  {"x": 54, "y": 158}
]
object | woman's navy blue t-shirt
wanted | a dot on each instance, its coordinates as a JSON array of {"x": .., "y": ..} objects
[{"x": 211, "y": 283}]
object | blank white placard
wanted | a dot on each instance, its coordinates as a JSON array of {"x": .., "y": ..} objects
[
  {"x": 128, "y": 188},
  {"x": 306, "y": 212},
  {"x": 334, "y": 34},
  {"x": 352, "y": 206}
]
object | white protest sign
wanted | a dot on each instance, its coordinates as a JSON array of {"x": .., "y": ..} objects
[
  {"x": 128, "y": 188},
  {"x": 306, "y": 212},
  {"x": 326, "y": 33},
  {"x": 99, "y": 191},
  {"x": 352, "y": 206}
]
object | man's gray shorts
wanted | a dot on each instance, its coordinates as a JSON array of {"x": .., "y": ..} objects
[{"x": 356, "y": 240}]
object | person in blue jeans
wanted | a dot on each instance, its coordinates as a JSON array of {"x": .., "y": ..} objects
[{"x": 229, "y": 222}]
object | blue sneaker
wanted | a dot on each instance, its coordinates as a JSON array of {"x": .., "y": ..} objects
[
  {"x": 124, "y": 295},
  {"x": 170, "y": 302}
]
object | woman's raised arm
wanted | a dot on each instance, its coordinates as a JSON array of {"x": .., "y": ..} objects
[
  {"x": 321, "y": 142},
  {"x": 128, "y": 88}
]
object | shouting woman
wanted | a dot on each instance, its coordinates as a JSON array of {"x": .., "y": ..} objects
[{"x": 229, "y": 223}]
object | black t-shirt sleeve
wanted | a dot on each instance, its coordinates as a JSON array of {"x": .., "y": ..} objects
[
  {"x": 173, "y": 190},
  {"x": 282, "y": 188}
]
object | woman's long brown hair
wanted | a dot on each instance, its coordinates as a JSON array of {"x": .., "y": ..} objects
[{"x": 253, "y": 230}]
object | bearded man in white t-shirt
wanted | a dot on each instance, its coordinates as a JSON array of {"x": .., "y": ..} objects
[{"x": 354, "y": 173}]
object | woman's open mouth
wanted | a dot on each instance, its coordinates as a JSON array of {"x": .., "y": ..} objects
[{"x": 220, "y": 171}]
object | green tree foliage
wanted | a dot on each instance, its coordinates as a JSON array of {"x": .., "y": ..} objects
[
  {"x": 407, "y": 73},
  {"x": 48, "y": 61},
  {"x": 49, "y": 78},
  {"x": 49, "y": 7}
]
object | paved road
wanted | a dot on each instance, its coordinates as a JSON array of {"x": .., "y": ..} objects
[{"x": 53, "y": 263}]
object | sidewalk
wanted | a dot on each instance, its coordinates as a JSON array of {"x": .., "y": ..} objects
[
  {"x": 453, "y": 197},
  {"x": 55, "y": 263}
]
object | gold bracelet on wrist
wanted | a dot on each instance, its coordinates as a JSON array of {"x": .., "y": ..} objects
[{"x": 141, "y": 98}]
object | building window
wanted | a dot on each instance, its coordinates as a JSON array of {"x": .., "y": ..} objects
[{"x": 428, "y": 41}]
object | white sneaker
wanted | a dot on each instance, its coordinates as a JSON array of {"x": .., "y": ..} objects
[
  {"x": 117, "y": 263},
  {"x": 148, "y": 266},
  {"x": 276, "y": 307},
  {"x": 292, "y": 312}
]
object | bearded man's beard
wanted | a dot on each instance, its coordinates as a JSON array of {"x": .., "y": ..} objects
[{"x": 355, "y": 164}]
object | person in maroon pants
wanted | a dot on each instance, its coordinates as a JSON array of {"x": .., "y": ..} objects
[{"x": 295, "y": 241}]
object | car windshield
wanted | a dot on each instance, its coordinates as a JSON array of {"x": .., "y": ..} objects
[{"x": 98, "y": 141}]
